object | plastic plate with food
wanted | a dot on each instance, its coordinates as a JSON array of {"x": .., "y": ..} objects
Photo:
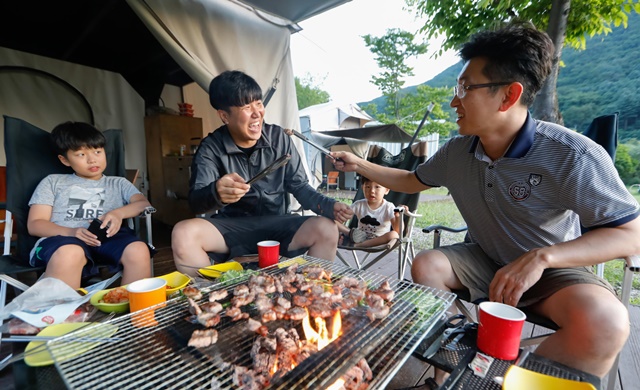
[
  {"x": 215, "y": 271},
  {"x": 175, "y": 281},
  {"x": 112, "y": 300}
]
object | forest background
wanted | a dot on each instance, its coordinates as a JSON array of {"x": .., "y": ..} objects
[{"x": 603, "y": 79}]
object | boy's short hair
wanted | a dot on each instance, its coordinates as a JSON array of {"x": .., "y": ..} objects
[
  {"x": 75, "y": 135},
  {"x": 233, "y": 88},
  {"x": 364, "y": 180}
]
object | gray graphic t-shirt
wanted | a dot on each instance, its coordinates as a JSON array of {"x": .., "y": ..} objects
[{"x": 76, "y": 201}]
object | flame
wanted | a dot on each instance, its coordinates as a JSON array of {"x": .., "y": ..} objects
[
  {"x": 339, "y": 384},
  {"x": 322, "y": 337}
]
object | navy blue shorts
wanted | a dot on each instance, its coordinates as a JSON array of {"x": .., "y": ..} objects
[{"x": 109, "y": 253}]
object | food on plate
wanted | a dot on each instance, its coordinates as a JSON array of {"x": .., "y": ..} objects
[{"x": 116, "y": 295}]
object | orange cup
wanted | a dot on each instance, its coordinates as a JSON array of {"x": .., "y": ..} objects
[
  {"x": 499, "y": 330},
  {"x": 268, "y": 253},
  {"x": 144, "y": 294}
]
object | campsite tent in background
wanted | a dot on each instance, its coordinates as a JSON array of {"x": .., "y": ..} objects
[{"x": 120, "y": 65}]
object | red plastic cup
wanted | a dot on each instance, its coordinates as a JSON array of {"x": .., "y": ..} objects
[
  {"x": 268, "y": 253},
  {"x": 499, "y": 330}
]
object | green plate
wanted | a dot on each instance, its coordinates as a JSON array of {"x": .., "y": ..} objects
[{"x": 108, "y": 307}]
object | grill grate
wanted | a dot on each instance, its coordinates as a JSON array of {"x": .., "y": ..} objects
[{"x": 157, "y": 357}]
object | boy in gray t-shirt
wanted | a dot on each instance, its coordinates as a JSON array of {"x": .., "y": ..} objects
[{"x": 63, "y": 206}]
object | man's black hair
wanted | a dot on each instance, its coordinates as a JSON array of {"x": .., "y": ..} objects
[
  {"x": 75, "y": 135},
  {"x": 233, "y": 88},
  {"x": 516, "y": 52}
]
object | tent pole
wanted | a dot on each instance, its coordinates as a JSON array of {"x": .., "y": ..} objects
[{"x": 424, "y": 119}]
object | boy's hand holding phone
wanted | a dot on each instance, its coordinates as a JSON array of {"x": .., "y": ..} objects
[{"x": 94, "y": 228}]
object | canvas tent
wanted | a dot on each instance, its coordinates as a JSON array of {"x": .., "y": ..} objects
[{"x": 118, "y": 56}]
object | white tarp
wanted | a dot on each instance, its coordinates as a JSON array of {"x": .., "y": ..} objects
[
  {"x": 45, "y": 103},
  {"x": 206, "y": 37},
  {"x": 210, "y": 37}
]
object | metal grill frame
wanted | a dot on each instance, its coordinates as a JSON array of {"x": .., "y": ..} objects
[{"x": 157, "y": 357}]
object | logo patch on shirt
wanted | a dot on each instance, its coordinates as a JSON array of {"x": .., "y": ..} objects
[
  {"x": 519, "y": 190},
  {"x": 535, "y": 179}
]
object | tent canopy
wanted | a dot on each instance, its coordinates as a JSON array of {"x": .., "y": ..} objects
[
  {"x": 381, "y": 133},
  {"x": 108, "y": 35}
]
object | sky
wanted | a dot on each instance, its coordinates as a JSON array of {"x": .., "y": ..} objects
[{"x": 330, "y": 48}]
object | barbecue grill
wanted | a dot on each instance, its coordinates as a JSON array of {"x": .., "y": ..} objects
[{"x": 158, "y": 357}]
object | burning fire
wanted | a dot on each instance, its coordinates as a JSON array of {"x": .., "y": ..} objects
[{"x": 321, "y": 336}]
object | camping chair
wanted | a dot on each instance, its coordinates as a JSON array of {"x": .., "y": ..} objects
[
  {"x": 602, "y": 130},
  {"x": 409, "y": 158},
  {"x": 332, "y": 180},
  {"x": 30, "y": 158}
]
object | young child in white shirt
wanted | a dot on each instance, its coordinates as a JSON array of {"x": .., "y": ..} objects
[{"x": 378, "y": 223}]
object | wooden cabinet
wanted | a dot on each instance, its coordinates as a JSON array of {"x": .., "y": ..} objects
[{"x": 169, "y": 172}]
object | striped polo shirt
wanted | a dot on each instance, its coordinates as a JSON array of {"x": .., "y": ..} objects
[{"x": 549, "y": 180}]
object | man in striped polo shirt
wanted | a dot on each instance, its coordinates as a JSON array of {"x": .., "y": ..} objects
[{"x": 524, "y": 187}]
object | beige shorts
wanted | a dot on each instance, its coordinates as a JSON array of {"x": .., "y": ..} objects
[{"x": 476, "y": 271}]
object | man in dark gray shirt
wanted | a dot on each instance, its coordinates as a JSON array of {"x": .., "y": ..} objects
[{"x": 239, "y": 215}]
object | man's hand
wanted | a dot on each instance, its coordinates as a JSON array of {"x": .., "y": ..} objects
[
  {"x": 231, "y": 188},
  {"x": 341, "y": 212},
  {"x": 345, "y": 161},
  {"x": 512, "y": 280}
]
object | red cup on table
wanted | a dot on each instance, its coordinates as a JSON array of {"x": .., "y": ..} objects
[
  {"x": 268, "y": 253},
  {"x": 499, "y": 330}
]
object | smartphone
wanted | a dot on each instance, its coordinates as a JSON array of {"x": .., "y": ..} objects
[
  {"x": 94, "y": 228},
  {"x": 271, "y": 168}
]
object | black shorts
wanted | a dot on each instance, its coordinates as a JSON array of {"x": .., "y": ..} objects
[
  {"x": 109, "y": 253},
  {"x": 243, "y": 234}
]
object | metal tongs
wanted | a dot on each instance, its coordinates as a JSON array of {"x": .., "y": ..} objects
[{"x": 322, "y": 149}]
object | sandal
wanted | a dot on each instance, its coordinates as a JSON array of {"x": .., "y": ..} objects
[
  {"x": 345, "y": 240},
  {"x": 357, "y": 235},
  {"x": 431, "y": 384}
]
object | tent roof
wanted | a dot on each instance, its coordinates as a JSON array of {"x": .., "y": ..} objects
[
  {"x": 382, "y": 133},
  {"x": 295, "y": 10},
  {"x": 107, "y": 34}
]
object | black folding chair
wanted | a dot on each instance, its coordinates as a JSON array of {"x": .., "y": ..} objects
[
  {"x": 408, "y": 159},
  {"x": 30, "y": 158}
]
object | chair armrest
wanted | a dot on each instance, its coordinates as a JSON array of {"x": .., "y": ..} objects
[
  {"x": 432, "y": 228},
  {"x": 147, "y": 211},
  {"x": 633, "y": 263}
]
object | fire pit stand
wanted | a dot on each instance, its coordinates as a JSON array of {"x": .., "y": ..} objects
[{"x": 157, "y": 357}]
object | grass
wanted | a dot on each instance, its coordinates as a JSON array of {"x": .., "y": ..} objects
[{"x": 444, "y": 212}]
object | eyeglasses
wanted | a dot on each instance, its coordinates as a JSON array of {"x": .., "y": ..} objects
[{"x": 461, "y": 90}]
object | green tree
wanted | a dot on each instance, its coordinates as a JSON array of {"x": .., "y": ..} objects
[
  {"x": 405, "y": 110},
  {"x": 309, "y": 93},
  {"x": 392, "y": 50},
  {"x": 565, "y": 21},
  {"x": 627, "y": 167}
]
